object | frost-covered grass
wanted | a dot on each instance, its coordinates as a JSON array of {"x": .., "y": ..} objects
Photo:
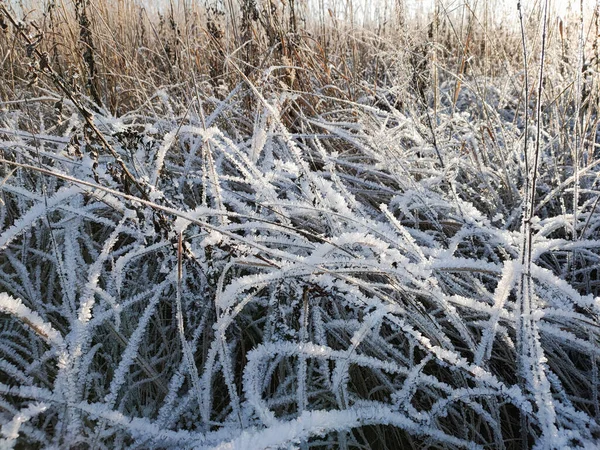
[{"x": 394, "y": 254}]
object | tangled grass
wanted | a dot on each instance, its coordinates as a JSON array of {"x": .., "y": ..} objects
[{"x": 250, "y": 265}]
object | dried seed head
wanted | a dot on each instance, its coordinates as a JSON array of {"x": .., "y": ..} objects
[
  {"x": 44, "y": 61},
  {"x": 29, "y": 49}
]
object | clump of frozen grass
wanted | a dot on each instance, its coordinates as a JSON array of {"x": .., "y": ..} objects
[
  {"x": 349, "y": 278},
  {"x": 332, "y": 284}
]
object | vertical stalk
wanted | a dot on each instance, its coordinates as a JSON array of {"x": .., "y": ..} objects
[
  {"x": 523, "y": 285},
  {"x": 86, "y": 39},
  {"x": 577, "y": 150},
  {"x": 528, "y": 352}
]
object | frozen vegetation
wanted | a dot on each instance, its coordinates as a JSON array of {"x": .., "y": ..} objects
[{"x": 385, "y": 240}]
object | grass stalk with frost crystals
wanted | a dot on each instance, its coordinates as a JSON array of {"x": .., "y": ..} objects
[
  {"x": 531, "y": 355},
  {"x": 188, "y": 354},
  {"x": 578, "y": 149},
  {"x": 522, "y": 379}
]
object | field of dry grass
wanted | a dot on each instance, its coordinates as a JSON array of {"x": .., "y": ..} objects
[{"x": 265, "y": 224}]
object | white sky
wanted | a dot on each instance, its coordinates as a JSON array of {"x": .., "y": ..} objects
[{"x": 501, "y": 10}]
